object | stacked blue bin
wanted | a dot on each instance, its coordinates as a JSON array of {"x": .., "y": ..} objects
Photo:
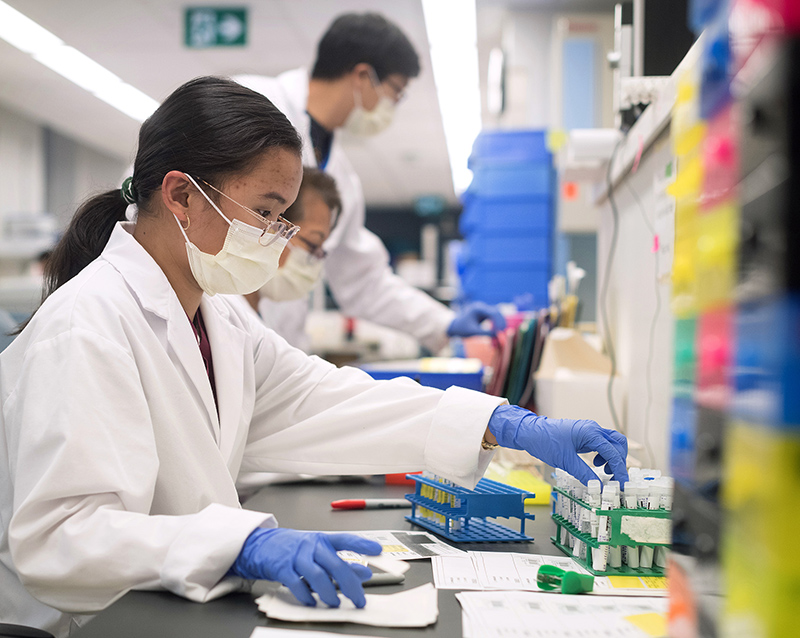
[{"x": 507, "y": 221}]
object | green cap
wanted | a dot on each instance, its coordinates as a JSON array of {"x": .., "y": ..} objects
[{"x": 550, "y": 577}]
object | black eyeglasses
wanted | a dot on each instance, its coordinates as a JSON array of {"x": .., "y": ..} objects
[
  {"x": 315, "y": 251},
  {"x": 399, "y": 91}
]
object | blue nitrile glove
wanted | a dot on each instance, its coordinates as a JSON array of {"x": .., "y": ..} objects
[
  {"x": 558, "y": 442},
  {"x": 306, "y": 562},
  {"x": 468, "y": 321}
]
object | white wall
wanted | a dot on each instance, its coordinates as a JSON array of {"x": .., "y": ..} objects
[
  {"x": 632, "y": 308},
  {"x": 44, "y": 171},
  {"x": 22, "y": 180},
  {"x": 75, "y": 172}
]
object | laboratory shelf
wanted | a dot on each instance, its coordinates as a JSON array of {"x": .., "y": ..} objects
[{"x": 460, "y": 514}]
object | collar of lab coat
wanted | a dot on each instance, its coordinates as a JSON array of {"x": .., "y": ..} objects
[
  {"x": 142, "y": 274},
  {"x": 226, "y": 334}
]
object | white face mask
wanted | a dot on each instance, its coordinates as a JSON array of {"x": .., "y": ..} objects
[
  {"x": 242, "y": 266},
  {"x": 295, "y": 279},
  {"x": 367, "y": 123}
]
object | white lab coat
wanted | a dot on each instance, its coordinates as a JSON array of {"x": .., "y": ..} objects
[
  {"x": 117, "y": 474},
  {"x": 357, "y": 267}
]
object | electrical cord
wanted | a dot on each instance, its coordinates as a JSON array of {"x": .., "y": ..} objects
[
  {"x": 609, "y": 342},
  {"x": 651, "y": 343}
]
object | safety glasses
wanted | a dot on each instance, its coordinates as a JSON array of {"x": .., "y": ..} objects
[{"x": 273, "y": 230}]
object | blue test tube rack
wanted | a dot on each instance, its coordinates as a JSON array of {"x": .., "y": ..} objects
[{"x": 460, "y": 515}]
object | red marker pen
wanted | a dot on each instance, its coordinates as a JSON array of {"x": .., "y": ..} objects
[{"x": 370, "y": 503}]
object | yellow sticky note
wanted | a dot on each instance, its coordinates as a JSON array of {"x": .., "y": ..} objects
[
  {"x": 655, "y": 582},
  {"x": 522, "y": 480},
  {"x": 626, "y": 582},
  {"x": 653, "y": 624}
]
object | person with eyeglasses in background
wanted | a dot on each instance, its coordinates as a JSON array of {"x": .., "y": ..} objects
[
  {"x": 363, "y": 66},
  {"x": 315, "y": 211}
]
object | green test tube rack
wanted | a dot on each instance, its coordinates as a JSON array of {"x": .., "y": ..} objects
[{"x": 616, "y": 536}]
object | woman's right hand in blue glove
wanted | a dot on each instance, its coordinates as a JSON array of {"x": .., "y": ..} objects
[
  {"x": 558, "y": 442},
  {"x": 306, "y": 562}
]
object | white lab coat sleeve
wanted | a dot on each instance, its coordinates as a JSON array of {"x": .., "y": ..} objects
[
  {"x": 83, "y": 453},
  {"x": 311, "y": 417},
  {"x": 363, "y": 284}
]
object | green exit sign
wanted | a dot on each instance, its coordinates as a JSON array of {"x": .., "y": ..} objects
[{"x": 207, "y": 27}]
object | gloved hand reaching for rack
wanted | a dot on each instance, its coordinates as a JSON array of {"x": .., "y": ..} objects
[
  {"x": 468, "y": 321},
  {"x": 306, "y": 562},
  {"x": 558, "y": 442}
]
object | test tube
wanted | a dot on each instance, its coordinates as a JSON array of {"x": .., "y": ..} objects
[
  {"x": 595, "y": 500},
  {"x": 614, "y": 551},
  {"x": 600, "y": 555},
  {"x": 644, "y": 494},
  {"x": 633, "y": 491},
  {"x": 631, "y": 495},
  {"x": 666, "y": 485},
  {"x": 646, "y": 556}
]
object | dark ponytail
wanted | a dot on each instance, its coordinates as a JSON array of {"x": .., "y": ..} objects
[
  {"x": 84, "y": 239},
  {"x": 211, "y": 128}
]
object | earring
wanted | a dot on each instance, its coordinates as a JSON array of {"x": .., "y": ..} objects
[{"x": 188, "y": 223}]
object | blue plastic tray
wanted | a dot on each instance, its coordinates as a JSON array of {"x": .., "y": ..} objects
[{"x": 469, "y": 509}]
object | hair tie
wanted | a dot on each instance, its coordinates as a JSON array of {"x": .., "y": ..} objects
[{"x": 128, "y": 192}]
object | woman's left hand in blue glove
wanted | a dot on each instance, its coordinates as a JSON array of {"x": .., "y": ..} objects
[
  {"x": 558, "y": 442},
  {"x": 306, "y": 562}
]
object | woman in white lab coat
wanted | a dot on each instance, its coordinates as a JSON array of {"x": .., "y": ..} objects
[{"x": 136, "y": 395}]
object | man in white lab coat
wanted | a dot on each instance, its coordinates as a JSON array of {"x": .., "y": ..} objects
[{"x": 364, "y": 63}]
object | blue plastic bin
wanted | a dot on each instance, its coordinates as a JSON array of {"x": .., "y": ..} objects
[
  {"x": 521, "y": 146},
  {"x": 503, "y": 284},
  {"x": 512, "y": 180},
  {"x": 464, "y": 373},
  {"x": 525, "y": 215},
  {"x": 486, "y": 249}
]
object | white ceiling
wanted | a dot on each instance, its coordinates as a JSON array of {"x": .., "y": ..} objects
[{"x": 142, "y": 42}]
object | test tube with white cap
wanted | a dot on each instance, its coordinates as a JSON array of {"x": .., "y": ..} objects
[
  {"x": 595, "y": 500},
  {"x": 600, "y": 555},
  {"x": 631, "y": 553}
]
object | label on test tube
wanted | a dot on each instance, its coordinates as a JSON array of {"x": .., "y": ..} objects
[
  {"x": 600, "y": 557},
  {"x": 595, "y": 500}
]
